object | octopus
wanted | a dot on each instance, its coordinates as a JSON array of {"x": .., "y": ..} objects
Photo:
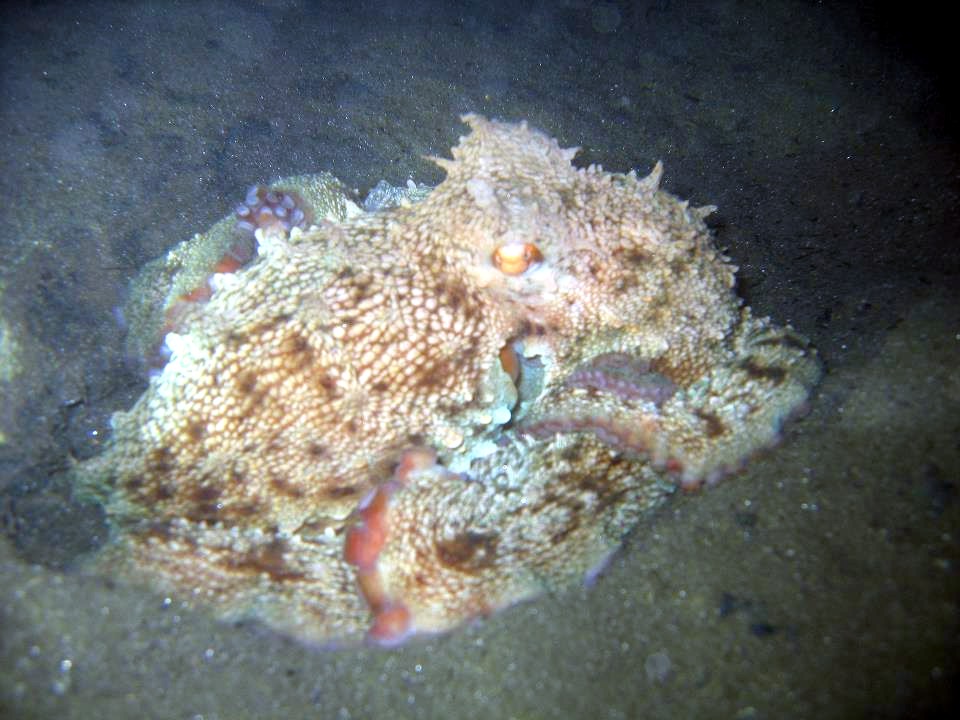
[{"x": 399, "y": 421}]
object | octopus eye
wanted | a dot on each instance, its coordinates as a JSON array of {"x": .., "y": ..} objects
[{"x": 514, "y": 258}]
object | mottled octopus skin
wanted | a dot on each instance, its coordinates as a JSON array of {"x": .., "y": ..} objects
[{"x": 336, "y": 445}]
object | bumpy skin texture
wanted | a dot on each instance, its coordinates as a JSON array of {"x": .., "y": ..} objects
[
  {"x": 419, "y": 416},
  {"x": 154, "y": 301}
]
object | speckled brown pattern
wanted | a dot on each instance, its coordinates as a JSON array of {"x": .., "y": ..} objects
[{"x": 294, "y": 392}]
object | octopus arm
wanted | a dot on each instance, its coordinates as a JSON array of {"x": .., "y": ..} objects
[{"x": 453, "y": 547}]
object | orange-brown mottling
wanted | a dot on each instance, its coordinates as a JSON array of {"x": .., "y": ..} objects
[{"x": 370, "y": 427}]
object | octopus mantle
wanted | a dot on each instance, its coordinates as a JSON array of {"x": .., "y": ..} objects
[{"x": 416, "y": 416}]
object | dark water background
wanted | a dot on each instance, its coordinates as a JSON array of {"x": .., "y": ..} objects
[{"x": 823, "y": 582}]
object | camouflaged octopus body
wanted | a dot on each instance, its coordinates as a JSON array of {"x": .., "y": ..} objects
[{"x": 495, "y": 383}]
